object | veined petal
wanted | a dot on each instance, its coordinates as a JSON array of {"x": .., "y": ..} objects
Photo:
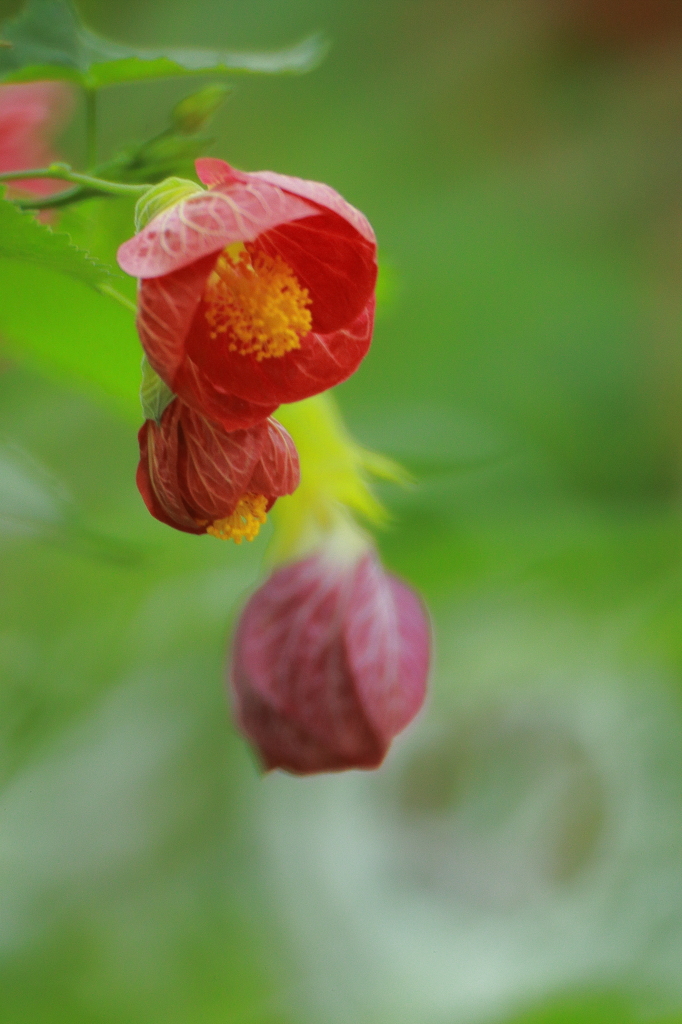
[
  {"x": 205, "y": 223},
  {"x": 277, "y": 470},
  {"x": 388, "y": 647},
  {"x": 212, "y": 171},
  {"x": 322, "y": 675},
  {"x": 322, "y": 195},
  {"x": 194, "y": 475}
]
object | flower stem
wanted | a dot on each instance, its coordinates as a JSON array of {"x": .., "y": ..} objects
[
  {"x": 90, "y": 127},
  {"x": 114, "y": 293},
  {"x": 64, "y": 173},
  {"x": 86, "y": 186}
]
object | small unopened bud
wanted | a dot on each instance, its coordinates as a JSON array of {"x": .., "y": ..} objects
[
  {"x": 193, "y": 113},
  {"x": 329, "y": 663}
]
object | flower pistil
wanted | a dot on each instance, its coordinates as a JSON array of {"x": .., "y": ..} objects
[{"x": 257, "y": 300}]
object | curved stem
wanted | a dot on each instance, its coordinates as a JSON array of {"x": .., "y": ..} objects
[{"x": 63, "y": 172}]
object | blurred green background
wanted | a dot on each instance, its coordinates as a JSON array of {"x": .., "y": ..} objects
[{"x": 519, "y": 856}]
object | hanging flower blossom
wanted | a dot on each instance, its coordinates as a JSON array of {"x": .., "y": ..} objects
[
  {"x": 31, "y": 113},
  {"x": 255, "y": 291},
  {"x": 330, "y": 660},
  {"x": 195, "y": 476}
]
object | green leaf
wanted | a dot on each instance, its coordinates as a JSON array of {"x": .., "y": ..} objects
[
  {"x": 48, "y": 41},
  {"x": 23, "y": 238},
  {"x": 54, "y": 318}
]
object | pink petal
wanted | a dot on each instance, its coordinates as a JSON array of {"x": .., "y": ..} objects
[
  {"x": 388, "y": 640},
  {"x": 321, "y": 194},
  {"x": 205, "y": 223},
  {"x": 212, "y": 172}
]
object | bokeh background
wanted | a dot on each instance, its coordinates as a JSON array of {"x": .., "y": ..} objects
[{"x": 519, "y": 856}]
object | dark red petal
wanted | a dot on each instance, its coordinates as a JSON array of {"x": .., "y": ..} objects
[
  {"x": 336, "y": 264},
  {"x": 329, "y": 662},
  {"x": 205, "y": 223},
  {"x": 216, "y": 466},
  {"x": 277, "y": 471},
  {"x": 295, "y": 695},
  {"x": 388, "y": 641},
  {"x": 229, "y": 411},
  {"x": 282, "y": 744},
  {"x": 322, "y": 361},
  {"x": 322, "y": 195},
  {"x": 157, "y": 479}
]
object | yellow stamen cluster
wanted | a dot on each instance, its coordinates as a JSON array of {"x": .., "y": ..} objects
[
  {"x": 258, "y": 301},
  {"x": 245, "y": 521}
]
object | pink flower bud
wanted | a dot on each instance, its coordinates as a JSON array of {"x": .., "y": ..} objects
[{"x": 329, "y": 663}]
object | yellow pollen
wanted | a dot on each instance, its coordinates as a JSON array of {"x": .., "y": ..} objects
[
  {"x": 258, "y": 301},
  {"x": 245, "y": 521}
]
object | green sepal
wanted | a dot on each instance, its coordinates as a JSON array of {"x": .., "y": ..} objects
[
  {"x": 160, "y": 197},
  {"x": 155, "y": 395}
]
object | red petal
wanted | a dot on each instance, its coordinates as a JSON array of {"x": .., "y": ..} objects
[
  {"x": 335, "y": 264},
  {"x": 322, "y": 195},
  {"x": 229, "y": 411},
  {"x": 277, "y": 471},
  {"x": 216, "y": 466},
  {"x": 165, "y": 309},
  {"x": 322, "y": 361},
  {"x": 205, "y": 223},
  {"x": 157, "y": 479}
]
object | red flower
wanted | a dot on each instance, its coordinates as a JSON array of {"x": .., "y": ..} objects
[
  {"x": 195, "y": 476},
  {"x": 329, "y": 662},
  {"x": 257, "y": 291},
  {"x": 30, "y": 115}
]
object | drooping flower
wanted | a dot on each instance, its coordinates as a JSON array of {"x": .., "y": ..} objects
[
  {"x": 199, "y": 478},
  {"x": 31, "y": 114},
  {"x": 331, "y": 653},
  {"x": 254, "y": 291},
  {"x": 330, "y": 660}
]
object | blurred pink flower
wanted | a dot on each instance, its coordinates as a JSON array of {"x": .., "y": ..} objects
[
  {"x": 329, "y": 662},
  {"x": 31, "y": 114}
]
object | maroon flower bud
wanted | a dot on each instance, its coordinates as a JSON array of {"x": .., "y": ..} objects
[
  {"x": 199, "y": 478},
  {"x": 330, "y": 661}
]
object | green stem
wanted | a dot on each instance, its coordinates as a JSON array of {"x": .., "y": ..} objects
[
  {"x": 70, "y": 195},
  {"x": 113, "y": 293},
  {"x": 90, "y": 128},
  {"x": 63, "y": 172}
]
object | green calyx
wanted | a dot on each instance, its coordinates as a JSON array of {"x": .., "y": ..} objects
[
  {"x": 155, "y": 395},
  {"x": 160, "y": 197}
]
